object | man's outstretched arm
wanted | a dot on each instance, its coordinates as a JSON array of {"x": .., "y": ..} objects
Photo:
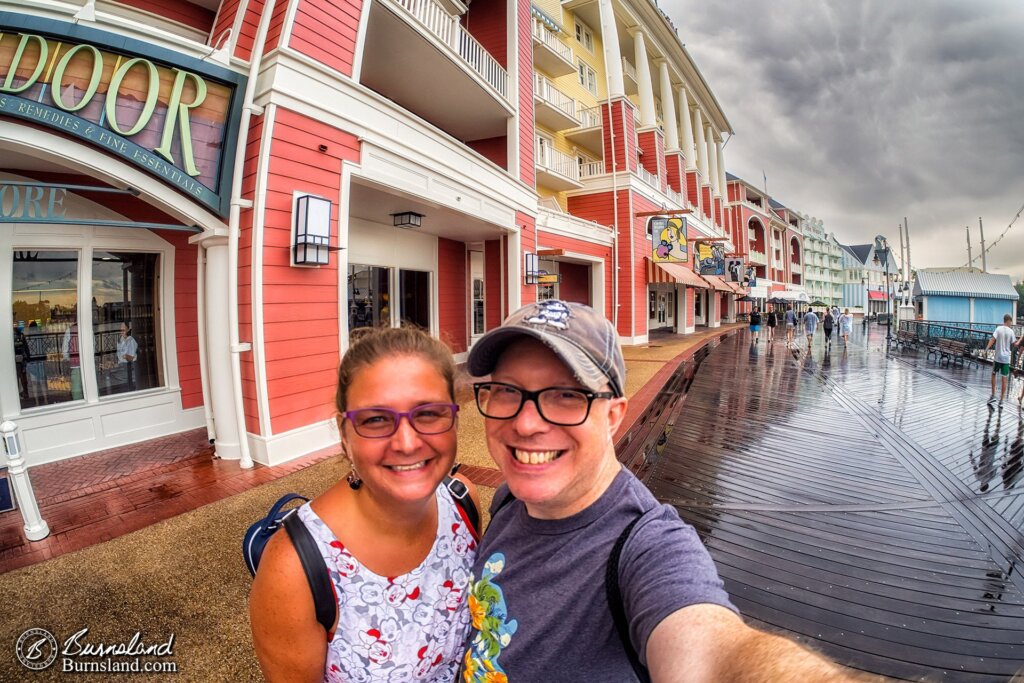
[{"x": 705, "y": 643}]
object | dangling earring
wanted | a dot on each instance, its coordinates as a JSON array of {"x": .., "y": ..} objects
[{"x": 353, "y": 479}]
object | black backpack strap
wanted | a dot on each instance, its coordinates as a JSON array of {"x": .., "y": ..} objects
[
  {"x": 611, "y": 588},
  {"x": 464, "y": 501},
  {"x": 316, "y": 571}
]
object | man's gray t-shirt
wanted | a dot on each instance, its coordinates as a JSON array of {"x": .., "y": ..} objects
[{"x": 538, "y": 601}]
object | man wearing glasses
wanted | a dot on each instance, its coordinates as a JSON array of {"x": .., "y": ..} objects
[{"x": 547, "y": 601}]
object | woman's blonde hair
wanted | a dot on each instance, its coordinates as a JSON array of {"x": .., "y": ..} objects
[{"x": 374, "y": 344}]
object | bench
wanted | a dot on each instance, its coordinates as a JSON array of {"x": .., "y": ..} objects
[
  {"x": 951, "y": 351},
  {"x": 907, "y": 338}
]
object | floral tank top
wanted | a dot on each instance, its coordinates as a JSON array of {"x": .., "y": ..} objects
[{"x": 393, "y": 629}]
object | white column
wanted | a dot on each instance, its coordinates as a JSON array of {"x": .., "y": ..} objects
[
  {"x": 515, "y": 274},
  {"x": 709, "y": 136},
  {"x": 36, "y": 528},
  {"x": 722, "y": 181},
  {"x": 686, "y": 123},
  {"x": 702, "y": 149},
  {"x": 668, "y": 108},
  {"x": 218, "y": 349},
  {"x": 612, "y": 53},
  {"x": 643, "y": 82}
]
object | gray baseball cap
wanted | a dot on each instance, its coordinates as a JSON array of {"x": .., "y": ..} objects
[{"x": 580, "y": 336}]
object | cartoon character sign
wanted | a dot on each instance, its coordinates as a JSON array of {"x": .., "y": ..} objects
[
  {"x": 711, "y": 259},
  {"x": 668, "y": 236}
]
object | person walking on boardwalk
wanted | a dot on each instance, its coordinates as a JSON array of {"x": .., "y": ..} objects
[
  {"x": 1003, "y": 339},
  {"x": 582, "y": 575},
  {"x": 790, "y": 323},
  {"x": 755, "y": 325},
  {"x": 845, "y": 326},
  {"x": 827, "y": 323},
  {"x": 771, "y": 321},
  {"x": 810, "y": 326}
]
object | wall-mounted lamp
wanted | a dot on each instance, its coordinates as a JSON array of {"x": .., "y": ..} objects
[
  {"x": 312, "y": 230},
  {"x": 530, "y": 268},
  {"x": 408, "y": 219}
]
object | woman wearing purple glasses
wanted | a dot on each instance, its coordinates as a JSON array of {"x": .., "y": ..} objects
[{"x": 396, "y": 546}]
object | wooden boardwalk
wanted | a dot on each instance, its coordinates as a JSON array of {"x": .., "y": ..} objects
[{"x": 871, "y": 506}]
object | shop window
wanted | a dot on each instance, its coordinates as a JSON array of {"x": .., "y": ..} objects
[
  {"x": 46, "y": 327},
  {"x": 125, "y": 330},
  {"x": 414, "y": 289},
  {"x": 369, "y": 297},
  {"x": 478, "y": 306}
]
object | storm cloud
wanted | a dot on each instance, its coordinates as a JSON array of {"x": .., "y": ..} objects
[{"x": 861, "y": 113}]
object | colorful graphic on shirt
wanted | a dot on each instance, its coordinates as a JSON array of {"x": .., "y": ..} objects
[{"x": 494, "y": 630}]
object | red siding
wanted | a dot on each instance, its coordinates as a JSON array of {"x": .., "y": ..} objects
[
  {"x": 527, "y": 139},
  {"x": 575, "y": 284},
  {"x": 452, "y": 287},
  {"x": 647, "y": 141},
  {"x": 300, "y": 340},
  {"x": 527, "y": 242},
  {"x": 495, "y": 149},
  {"x": 642, "y": 252},
  {"x": 619, "y": 114},
  {"x": 675, "y": 171},
  {"x": 225, "y": 19},
  {"x": 552, "y": 241},
  {"x": 705, "y": 200},
  {"x": 693, "y": 188},
  {"x": 486, "y": 22},
  {"x": 493, "y": 276},
  {"x": 181, "y": 11},
  {"x": 326, "y": 31},
  {"x": 186, "y": 317}
]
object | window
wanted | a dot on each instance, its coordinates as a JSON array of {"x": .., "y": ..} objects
[
  {"x": 587, "y": 77},
  {"x": 46, "y": 327},
  {"x": 369, "y": 297},
  {"x": 478, "y": 306},
  {"x": 584, "y": 36},
  {"x": 414, "y": 290},
  {"x": 124, "y": 322}
]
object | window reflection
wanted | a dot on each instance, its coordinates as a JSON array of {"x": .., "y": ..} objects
[
  {"x": 46, "y": 336},
  {"x": 369, "y": 297},
  {"x": 125, "y": 340}
]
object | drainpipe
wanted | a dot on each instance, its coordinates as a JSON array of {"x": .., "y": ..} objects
[{"x": 237, "y": 203}]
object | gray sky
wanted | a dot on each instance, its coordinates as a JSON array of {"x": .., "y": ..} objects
[{"x": 862, "y": 112}]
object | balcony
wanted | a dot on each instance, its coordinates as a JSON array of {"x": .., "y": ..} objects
[
  {"x": 591, "y": 169},
  {"x": 629, "y": 77},
  {"x": 676, "y": 197},
  {"x": 410, "y": 43},
  {"x": 648, "y": 177},
  {"x": 590, "y": 133},
  {"x": 551, "y": 55},
  {"x": 795, "y": 268},
  {"x": 758, "y": 257},
  {"x": 556, "y": 170},
  {"x": 553, "y": 109}
]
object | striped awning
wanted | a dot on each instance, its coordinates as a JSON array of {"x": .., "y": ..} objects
[
  {"x": 677, "y": 272},
  {"x": 719, "y": 284}
]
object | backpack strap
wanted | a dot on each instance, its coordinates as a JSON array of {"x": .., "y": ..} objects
[
  {"x": 464, "y": 502},
  {"x": 611, "y": 588},
  {"x": 316, "y": 571}
]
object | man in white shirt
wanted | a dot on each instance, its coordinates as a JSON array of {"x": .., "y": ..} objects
[{"x": 1003, "y": 339}]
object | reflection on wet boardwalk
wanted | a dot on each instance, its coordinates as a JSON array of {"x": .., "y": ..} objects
[{"x": 873, "y": 507}]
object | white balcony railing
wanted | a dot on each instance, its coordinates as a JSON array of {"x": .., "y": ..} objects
[
  {"x": 446, "y": 28},
  {"x": 560, "y": 163},
  {"x": 546, "y": 36},
  {"x": 795, "y": 268},
  {"x": 758, "y": 256},
  {"x": 546, "y": 90},
  {"x": 628, "y": 69},
  {"x": 677, "y": 197},
  {"x": 591, "y": 169},
  {"x": 648, "y": 177},
  {"x": 590, "y": 117}
]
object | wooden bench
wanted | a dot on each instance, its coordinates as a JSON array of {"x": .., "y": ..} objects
[
  {"x": 907, "y": 338},
  {"x": 952, "y": 351}
]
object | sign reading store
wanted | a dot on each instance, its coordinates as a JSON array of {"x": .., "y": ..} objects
[{"x": 170, "y": 114}]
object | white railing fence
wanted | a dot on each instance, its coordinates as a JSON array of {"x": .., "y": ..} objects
[
  {"x": 547, "y": 37},
  {"x": 546, "y": 90},
  {"x": 591, "y": 169},
  {"x": 559, "y": 162}
]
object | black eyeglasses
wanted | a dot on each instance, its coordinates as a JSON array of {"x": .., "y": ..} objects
[
  {"x": 562, "y": 406},
  {"x": 380, "y": 423}
]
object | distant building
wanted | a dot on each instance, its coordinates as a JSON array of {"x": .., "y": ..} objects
[
  {"x": 823, "y": 270},
  {"x": 963, "y": 295},
  {"x": 864, "y": 285}
]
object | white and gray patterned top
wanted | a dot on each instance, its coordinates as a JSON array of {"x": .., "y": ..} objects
[{"x": 400, "y": 628}]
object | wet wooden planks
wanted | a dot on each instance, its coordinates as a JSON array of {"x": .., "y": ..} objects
[{"x": 841, "y": 496}]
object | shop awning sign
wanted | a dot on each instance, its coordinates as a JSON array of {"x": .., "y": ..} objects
[{"x": 172, "y": 115}]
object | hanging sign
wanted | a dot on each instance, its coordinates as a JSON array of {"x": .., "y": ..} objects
[
  {"x": 172, "y": 115},
  {"x": 668, "y": 238},
  {"x": 710, "y": 258}
]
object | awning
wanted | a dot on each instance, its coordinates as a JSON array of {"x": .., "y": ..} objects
[
  {"x": 683, "y": 274},
  {"x": 738, "y": 288},
  {"x": 876, "y": 296},
  {"x": 791, "y": 295},
  {"x": 719, "y": 284}
]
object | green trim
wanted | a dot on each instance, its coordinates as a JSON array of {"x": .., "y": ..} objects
[{"x": 105, "y": 224}]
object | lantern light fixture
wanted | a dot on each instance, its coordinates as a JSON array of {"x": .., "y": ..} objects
[
  {"x": 407, "y": 219},
  {"x": 312, "y": 230}
]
